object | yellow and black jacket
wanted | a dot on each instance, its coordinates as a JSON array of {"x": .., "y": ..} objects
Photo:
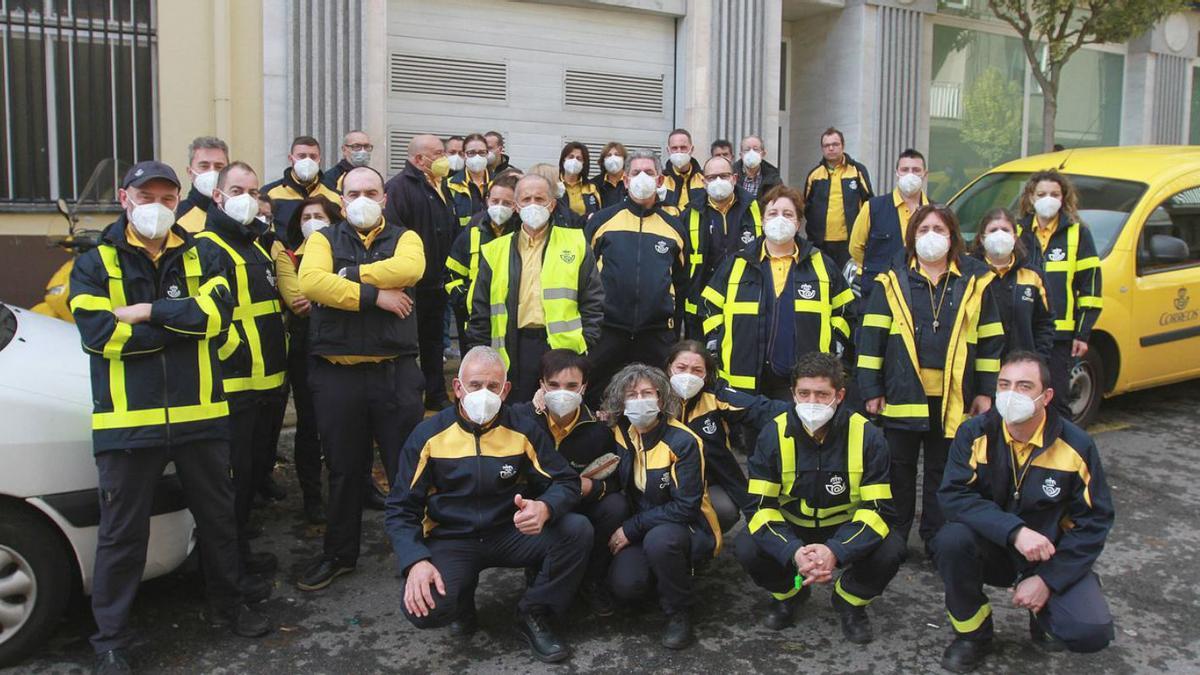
[
  {"x": 586, "y": 441},
  {"x": 258, "y": 363},
  {"x": 462, "y": 264},
  {"x": 582, "y": 198},
  {"x": 713, "y": 236},
  {"x": 1063, "y": 493},
  {"x": 610, "y": 193},
  {"x": 154, "y": 383},
  {"x": 740, "y": 310},
  {"x": 467, "y": 199},
  {"x": 889, "y": 364},
  {"x": 662, "y": 472},
  {"x": 192, "y": 213},
  {"x": 877, "y": 235},
  {"x": 836, "y": 491},
  {"x": 641, "y": 254},
  {"x": 684, "y": 189},
  {"x": 458, "y": 480},
  {"x": 332, "y": 177},
  {"x": 1023, "y": 307},
  {"x": 1072, "y": 273},
  {"x": 855, "y": 189},
  {"x": 287, "y": 193},
  {"x": 572, "y": 298}
]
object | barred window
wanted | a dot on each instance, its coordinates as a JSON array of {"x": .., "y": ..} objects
[{"x": 78, "y": 78}]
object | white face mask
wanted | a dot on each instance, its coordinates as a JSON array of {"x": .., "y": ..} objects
[
  {"x": 661, "y": 193},
  {"x": 364, "y": 213},
  {"x": 1047, "y": 207},
  {"x": 456, "y": 162},
  {"x": 642, "y": 186},
  {"x": 491, "y": 157},
  {"x": 815, "y": 415},
  {"x": 563, "y": 402},
  {"x": 932, "y": 246},
  {"x": 535, "y": 216},
  {"x": 751, "y": 159},
  {"x": 999, "y": 243},
  {"x": 306, "y": 169},
  {"x": 909, "y": 184},
  {"x": 242, "y": 208},
  {"x": 614, "y": 163},
  {"x": 481, "y": 405},
  {"x": 312, "y": 225},
  {"x": 641, "y": 412},
  {"x": 779, "y": 230},
  {"x": 572, "y": 166},
  {"x": 152, "y": 220},
  {"x": 360, "y": 157},
  {"x": 719, "y": 189},
  {"x": 686, "y": 385},
  {"x": 560, "y": 190},
  {"x": 205, "y": 183},
  {"x": 499, "y": 213},
  {"x": 680, "y": 160},
  {"x": 476, "y": 163},
  {"x": 1016, "y": 407}
]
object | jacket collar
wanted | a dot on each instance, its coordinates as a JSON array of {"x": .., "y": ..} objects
[
  {"x": 289, "y": 179},
  {"x": 196, "y": 198},
  {"x": 754, "y": 251},
  {"x": 218, "y": 221},
  {"x": 639, "y": 210},
  {"x": 114, "y": 235}
]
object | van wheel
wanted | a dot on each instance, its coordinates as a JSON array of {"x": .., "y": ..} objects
[
  {"x": 35, "y": 582},
  {"x": 1087, "y": 388}
]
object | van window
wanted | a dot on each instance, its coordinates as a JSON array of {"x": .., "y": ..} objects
[{"x": 1171, "y": 237}]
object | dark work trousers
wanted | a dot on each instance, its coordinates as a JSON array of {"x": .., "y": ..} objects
[
  {"x": 360, "y": 406},
  {"x": 559, "y": 553},
  {"x": 775, "y": 387},
  {"x": 307, "y": 453},
  {"x": 252, "y": 423},
  {"x": 663, "y": 559},
  {"x": 905, "y": 447},
  {"x": 127, "y": 482},
  {"x": 1078, "y": 615},
  {"x": 862, "y": 580},
  {"x": 526, "y": 365},
  {"x": 727, "y": 485},
  {"x": 460, "y": 320},
  {"x": 605, "y": 515},
  {"x": 839, "y": 251},
  {"x": 431, "y": 310},
  {"x": 1060, "y": 364},
  {"x": 618, "y": 348}
]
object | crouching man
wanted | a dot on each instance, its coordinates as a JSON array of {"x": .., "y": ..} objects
[
  {"x": 1027, "y": 506},
  {"x": 461, "y": 473}
]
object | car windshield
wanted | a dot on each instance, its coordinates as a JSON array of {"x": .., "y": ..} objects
[
  {"x": 1104, "y": 203},
  {"x": 8, "y": 325}
]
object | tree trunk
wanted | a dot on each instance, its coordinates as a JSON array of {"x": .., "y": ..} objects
[{"x": 1049, "y": 114}]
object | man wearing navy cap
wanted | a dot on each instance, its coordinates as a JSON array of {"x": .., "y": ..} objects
[{"x": 148, "y": 303}]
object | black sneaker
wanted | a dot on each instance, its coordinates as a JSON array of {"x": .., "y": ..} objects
[
  {"x": 261, "y": 563},
  {"x": 545, "y": 645},
  {"x": 241, "y": 620},
  {"x": 1043, "y": 640},
  {"x": 254, "y": 589},
  {"x": 679, "y": 631},
  {"x": 599, "y": 599},
  {"x": 314, "y": 513},
  {"x": 465, "y": 624},
  {"x": 111, "y": 662},
  {"x": 965, "y": 655},
  {"x": 782, "y": 613},
  {"x": 321, "y": 573}
]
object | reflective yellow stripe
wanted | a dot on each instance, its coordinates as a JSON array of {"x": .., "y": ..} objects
[
  {"x": 116, "y": 290},
  {"x": 825, "y": 341},
  {"x": 1064, "y": 324},
  {"x": 764, "y": 516},
  {"x": 875, "y": 491},
  {"x": 854, "y": 455},
  {"x": 739, "y": 381},
  {"x": 756, "y": 216},
  {"x": 1058, "y": 266},
  {"x": 712, "y": 323},
  {"x": 729, "y": 310},
  {"x": 1090, "y": 302},
  {"x": 156, "y": 416},
  {"x": 453, "y": 284},
  {"x": 877, "y": 321},
  {"x": 1087, "y": 263},
  {"x": 784, "y": 596},
  {"x": 233, "y": 340},
  {"x": 849, "y": 597},
  {"x": 116, "y": 342},
  {"x": 870, "y": 362},
  {"x": 841, "y": 325},
  {"x": 825, "y": 522},
  {"x": 909, "y": 410},
  {"x": 696, "y": 259},
  {"x": 457, "y": 267},
  {"x": 763, "y": 487},
  {"x": 91, "y": 303},
  {"x": 236, "y": 384},
  {"x": 690, "y": 307},
  {"x": 843, "y": 298},
  {"x": 872, "y": 520},
  {"x": 987, "y": 365},
  {"x": 787, "y": 455},
  {"x": 988, "y": 330},
  {"x": 710, "y": 294},
  {"x": 972, "y": 624}
]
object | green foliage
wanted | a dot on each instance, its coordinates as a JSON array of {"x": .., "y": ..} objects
[{"x": 992, "y": 117}]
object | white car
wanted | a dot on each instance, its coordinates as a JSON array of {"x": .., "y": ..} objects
[{"x": 49, "y": 506}]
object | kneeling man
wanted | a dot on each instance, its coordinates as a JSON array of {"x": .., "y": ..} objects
[{"x": 460, "y": 476}]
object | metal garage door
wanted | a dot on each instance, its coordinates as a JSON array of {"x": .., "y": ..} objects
[{"x": 539, "y": 74}]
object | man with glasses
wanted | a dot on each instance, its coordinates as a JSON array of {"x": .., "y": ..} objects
[
  {"x": 834, "y": 192},
  {"x": 356, "y": 152}
]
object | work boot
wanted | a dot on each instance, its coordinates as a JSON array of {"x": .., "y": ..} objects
[
  {"x": 965, "y": 655},
  {"x": 599, "y": 599},
  {"x": 321, "y": 572},
  {"x": 261, "y": 563},
  {"x": 465, "y": 624},
  {"x": 1043, "y": 640},
  {"x": 856, "y": 625},
  {"x": 545, "y": 645},
  {"x": 241, "y": 620},
  {"x": 679, "y": 631},
  {"x": 254, "y": 589},
  {"x": 781, "y": 613},
  {"x": 111, "y": 662}
]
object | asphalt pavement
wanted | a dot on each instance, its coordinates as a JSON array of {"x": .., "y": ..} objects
[{"x": 1149, "y": 446}]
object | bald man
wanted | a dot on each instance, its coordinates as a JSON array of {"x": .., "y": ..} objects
[
  {"x": 356, "y": 151},
  {"x": 418, "y": 199}
]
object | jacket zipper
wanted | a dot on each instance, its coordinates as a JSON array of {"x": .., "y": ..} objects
[
  {"x": 478, "y": 481},
  {"x": 637, "y": 274},
  {"x": 162, "y": 359}
]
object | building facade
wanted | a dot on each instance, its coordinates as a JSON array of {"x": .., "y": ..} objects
[{"x": 88, "y": 81}]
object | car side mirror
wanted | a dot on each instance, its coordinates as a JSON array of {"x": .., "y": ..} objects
[{"x": 1168, "y": 250}]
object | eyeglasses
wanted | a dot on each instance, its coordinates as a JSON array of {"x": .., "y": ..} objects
[
  {"x": 714, "y": 176},
  {"x": 356, "y": 147}
]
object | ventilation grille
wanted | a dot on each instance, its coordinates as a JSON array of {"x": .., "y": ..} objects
[
  {"x": 613, "y": 91},
  {"x": 398, "y": 140},
  {"x": 412, "y": 74}
]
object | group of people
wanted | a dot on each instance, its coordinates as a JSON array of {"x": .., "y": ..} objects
[{"x": 623, "y": 338}]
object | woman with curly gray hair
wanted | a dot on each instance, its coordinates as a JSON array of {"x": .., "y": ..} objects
[{"x": 673, "y": 526}]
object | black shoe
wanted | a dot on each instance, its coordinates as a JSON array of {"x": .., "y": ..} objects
[
  {"x": 254, "y": 589},
  {"x": 599, "y": 599},
  {"x": 964, "y": 655},
  {"x": 782, "y": 612},
  {"x": 111, "y": 662},
  {"x": 1043, "y": 640},
  {"x": 321, "y": 573},
  {"x": 272, "y": 490},
  {"x": 465, "y": 624},
  {"x": 241, "y": 620},
  {"x": 545, "y": 645},
  {"x": 856, "y": 625},
  {"x": 679, "y": 631},
  {"x": 374, "y": 497},
  {"x": 261, "y": 563},
  {"x": 314, "y": 513}
]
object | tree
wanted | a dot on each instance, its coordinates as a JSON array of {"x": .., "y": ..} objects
[
  {"x": 1063, "y": 27},
  {"x": 992, "y": 123}
]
